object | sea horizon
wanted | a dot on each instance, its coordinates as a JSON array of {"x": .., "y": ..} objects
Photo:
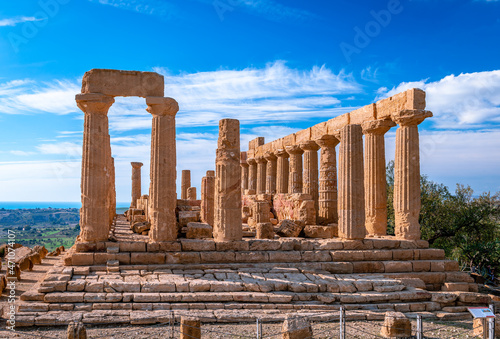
[{"x": 14, "y": 205}]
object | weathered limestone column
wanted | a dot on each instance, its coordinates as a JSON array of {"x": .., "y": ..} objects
[
  {"x": 191, "y": 193},
  {"x": 244, "y": 171},
  {"x": 295, "y": 169},
  {"x": 207, "y": 198},
  {"x": 252, "y": 174},
  {"x": 185, "y": 183},
  {"x": 227, "y": 221},
  {"x": 327, "y": 210},
  {"x": 375, "y": 176},
  {"x": 136, "y": 183},
  {"x": 113, "y": 190},
  {"x": 94, "y": 216},
  {"x": 271, "y": 172},
  {"x": 261, "y": 174},
  {"x": 407, "y": 174},
  {"x": 282, "y": 171},
  {"x": 310, "y": 176},
  {"x": 163, "y": 196},
  {"x": 351, "y": 184}
]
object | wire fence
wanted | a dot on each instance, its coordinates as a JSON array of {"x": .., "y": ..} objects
[{"x": 343, "y": 324}]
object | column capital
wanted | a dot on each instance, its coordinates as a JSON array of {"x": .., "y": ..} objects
[
  {"x": 251, "y": 161},
  {"x": 281, "y": 153},
  {"x": 136, "y": 164},
  {"x": 162, "y": 106},
  {"x": 377, "y": 126},
  {"x": 210, "y": 173},
  {"x": 95, "y": 103},
  {"x": 260, "y": 159},
  {"x": 309, "y": 145},
  {"x": 269, "y": 156},
  {"x": 243, "y": 159},
  {"x": 294, "y": 149},
  {"x": 327, "y": 141},
  {"x": 411, "y": 117}
]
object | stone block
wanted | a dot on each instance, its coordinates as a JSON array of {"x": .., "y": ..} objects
[
  {"x": 264, "y": 230},
  {"x": 421, "y": 266},
  {"x": 218, "y": 257},
  {"x": 264, "y": 245},
  {"x": 290, "y": 228},
  {"x": 285, "y": 256},
  {"x": 368, "y": 267},
  {"x": 82, "y": 259},
  {"x": 164, "y": 246},
  {"x": 396, "y": 325},
  {"x": 198, "y": 245},
  {"x": 139, "y": 258},
  {"x": 64, "y": 297},
  {"x": 397, "y": 266},
  {"x": 232, "y": 246},
  {"x": 323, "y": 232},
  {"x": 338, "y": 267},
  {"x": 132, "y": 246},
  {"x": 296, "y": 327},
  {"x": 186, "y": 217},
  {"x": 198, "y": 230},
  {"x": 102, "y": 258}
]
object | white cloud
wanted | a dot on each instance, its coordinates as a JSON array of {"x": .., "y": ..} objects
[
  {"x": 21, "y": 153},
  {"x": 469, "y": 100},
  {"x": 17, "y": 20},
  {"x": 149, "y": 7},
  {"x": 21, "y": 96}
]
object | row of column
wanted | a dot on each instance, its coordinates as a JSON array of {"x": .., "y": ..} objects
[
  {"x": 360, "y": 204},
  {"x": 97, "y": 169}
]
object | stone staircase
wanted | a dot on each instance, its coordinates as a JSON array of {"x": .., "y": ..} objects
[{"x": 277, "y": 276}]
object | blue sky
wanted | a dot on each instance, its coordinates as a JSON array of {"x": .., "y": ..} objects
[{"x": 278, "y": 66}]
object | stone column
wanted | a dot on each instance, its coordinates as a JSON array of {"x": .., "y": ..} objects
[
  {"x": 191, "y": 192},
  {"x": 252, "y": 175},
  {"x": 244, "y": 171},
  {"x": 375, "y": 176},
  {"x": 163, "y": 196},
  {"x": 407, "y": 174},
  {"x": 227, "y": 221},
  {"x": 295, "y": 169},
  {"x": 327, "y": 210},
  {"x": 261, "y": 174},
  {"x": 113, "y": 190},
  {"x": 185, "y": 183},
  {"x": 310, "y": 176},
  {"x": 282, "y": 171},
  {"x": 94, "y": 217},
  {"x": 271, "y": 172},
  {"x": 351, "y": 184},
  {"x": 207, "y": 198},
  {"x": 136, "y": 183}
]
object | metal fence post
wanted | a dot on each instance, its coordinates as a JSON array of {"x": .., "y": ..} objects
[
  {"x": 259, "y": 329},
  {"x": 420, "y": 327},
  {"x": 491, "y": 328},
  {"x": 172, "y": 325},
  {"x": 342, "y": 322}
]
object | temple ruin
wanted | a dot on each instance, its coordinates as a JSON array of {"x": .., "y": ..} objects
[{"x": 280, "y": 228}]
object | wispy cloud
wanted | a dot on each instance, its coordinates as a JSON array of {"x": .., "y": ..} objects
[
  {"x": 17, "y": 20},
  {"x": 468, "y": 100},
  {"x": 158, "y": 8}
]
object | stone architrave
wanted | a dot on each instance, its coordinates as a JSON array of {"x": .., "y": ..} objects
[
  {"x": 252, "y": 174},
  {"x": 327, "y": 210},
  {"x": 191, "y": 193},
  {"x": 407, "y": 173},
  {"x": 375, "y": 176},
  {"x": 185, "y": 183},
  {"x": 94, "y": 214},
  {"x": 244, "y": 171},
  {"x": 227, "y": 221},
  {"x": 282, "y": 171},
  {"x": 310, "y": 175},
  {"x": 163, "y": 196},
  {"x": 261, "y": 175},
  {"x": 271, "y": 172},
  {"x": 207, "y": 198},
  {"x": 351, "y": 184},
  {"x": 295, "y": 169},
  {"x": 136, "y": 183}
]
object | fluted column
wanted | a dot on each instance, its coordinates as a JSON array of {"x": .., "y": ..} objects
[
  {"x": 185, "y": 183},
  {"x": 207, "y": 198},
  {"x": 375, "y": 176},
  {"x": 282, "y": 170},
  {"x": 261, "y": 174},
  {"x": 94, "y": 215},
  {"x": 252, "y": 174},
  {"x": 270, "y": 172},
  {"x": 113, "y": 191},
  {"x": 351, "y": 184},
  {"x": 295, "y": 169},
  {"x": 136, "y": 183},
  {"x": 244, "y": 171},
  {"x": 327, "y": 210},
  {"x": 163, "y": 196},
  {"x": 310, "y": 176},
  {"x": 227, "y": 222},
  {"x": 407, "y": 174}
]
